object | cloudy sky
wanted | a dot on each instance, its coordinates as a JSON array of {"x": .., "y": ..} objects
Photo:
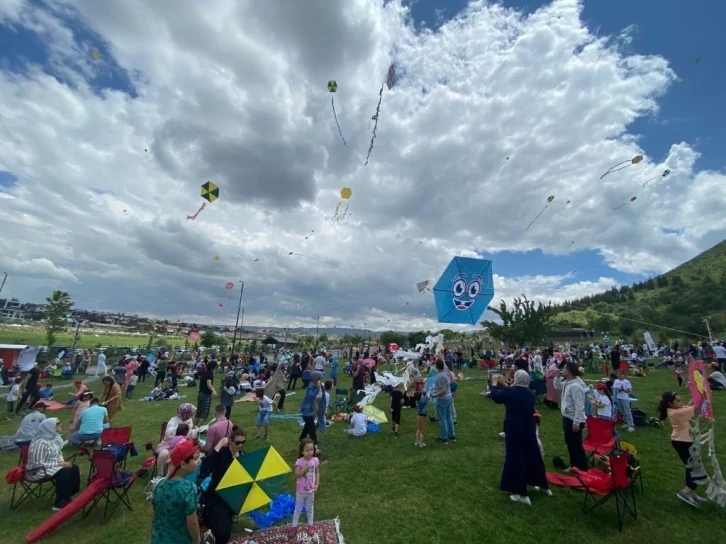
[{"x": 102, "y": 159}]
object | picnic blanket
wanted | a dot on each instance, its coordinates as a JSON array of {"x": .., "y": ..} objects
[
  {"x": 53, "y": 405},
  {"x": 326, "y": 532}
]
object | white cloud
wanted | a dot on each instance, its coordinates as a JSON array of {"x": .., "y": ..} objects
[{"x": 238, "y": 95}]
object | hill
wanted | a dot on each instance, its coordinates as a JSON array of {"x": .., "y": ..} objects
[{"x": 678, "y": 299}]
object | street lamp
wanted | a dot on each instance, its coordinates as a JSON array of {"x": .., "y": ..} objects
[{"x": 236, "y": 323}]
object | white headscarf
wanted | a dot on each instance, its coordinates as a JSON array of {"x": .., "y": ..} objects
[
  {"x": 521, "y": 379},
  {"x": 46, "y": 431}
]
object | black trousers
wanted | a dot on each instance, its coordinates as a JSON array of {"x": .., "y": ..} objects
[
  {"x": 292, "y": 382},
  {"x": 309, "y": 429},
  {"x": 683, "y": 451},
  {"x": 67, "y": 483},
  {"x": 573, "y": 440},
  {"x": 142, "y": 375},
  {"x": 160, "y": 377},
  {"x": 281, "y": 402},
  {"x": 218, "y": 517},
  {"x": 32, "y": 395},
  {"x": 228, "y": 411}
]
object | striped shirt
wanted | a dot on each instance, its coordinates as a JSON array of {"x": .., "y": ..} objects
[{"x": 43, "y": 454}]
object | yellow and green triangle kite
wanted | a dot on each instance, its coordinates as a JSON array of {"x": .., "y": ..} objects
[{"x": 210, "y": 191}]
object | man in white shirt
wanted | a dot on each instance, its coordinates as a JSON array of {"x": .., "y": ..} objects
[
  {"x": 621, "y": 391},
  {"x": 319, "y": 362},
  {"x": 101, "y": 364},
  {"x": 572, "y": 406},
  {"x": 720, "y": 351}
]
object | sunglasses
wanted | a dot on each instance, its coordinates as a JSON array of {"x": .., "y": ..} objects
[{"x": 239, "y": 442}]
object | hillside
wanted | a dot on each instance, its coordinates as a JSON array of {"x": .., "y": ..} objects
[{"x": 678, "y": 299}]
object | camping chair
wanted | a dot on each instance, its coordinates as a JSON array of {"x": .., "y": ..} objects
[
  {"x": 118, "y": 483},
  {"x": 16, "y": 476},
  {"x": 600, "y": 487},
  {"x": 341, "y": 403},
  {"x": 117, "y": 440},
  {"x": 600, "y": 438},
  {"x": 632, "y": 452}
]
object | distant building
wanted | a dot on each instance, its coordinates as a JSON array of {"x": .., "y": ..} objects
[{"x": 279, "y": 341}]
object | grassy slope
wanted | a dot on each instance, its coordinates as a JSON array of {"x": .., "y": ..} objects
[
  {"x": 656, "y": 305},
  {"x": 36, "y": 337},
  {"x": 386, "y": 490}
]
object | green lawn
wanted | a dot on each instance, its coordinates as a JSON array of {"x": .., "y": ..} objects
[
  {"x": 36, "y": 337},
  {"x": 385, "y": 490}
]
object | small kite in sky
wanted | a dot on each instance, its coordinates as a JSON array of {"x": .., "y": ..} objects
[
  {"x": 257, "y": 260},
  {"x": 391, "y": 80},
  {"x": 503, "y": 162},
  {"x": 656, "y": 179},
  {"x": 632, "y": 199},
  {"x": 566, "y": 204},
  {"x": 549, "y": 199},
  {"x": 95, "y": 54},
  {"x": 146, "y": 154},
  {"x": 193, "y": 217},
  {"x": 420, "y": 243},
  {"x": 229, "y": 286},
  {"x": 210, "y": 191},
  {"x": 375, "y": 126},
  {"x": 332, "y": 88},
  {"x": 619, "y": 166},
  {"x": 379, "y": 248},
  {"x": 345, "y": 194},
  {"x": 298, "y": 254},
  {"x": 308, "y": 236},
  {"x": 125, "y": 212},
  {"x": 697, "y": 60},
  {"x": 216, "y": 258},
  {"x": 423, "y": 286}
]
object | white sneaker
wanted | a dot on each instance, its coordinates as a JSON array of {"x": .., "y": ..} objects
[
  {"x": 417, "y": 443},
  {"x": 547, "y": 492},
  {"x": 502, "y": 435},
  {"x": 520, "y": 498},
  {"x": 631, "y": 429},
  {"x": 421, "y": 445}
]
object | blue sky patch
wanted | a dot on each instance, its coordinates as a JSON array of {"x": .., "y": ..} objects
[{"x": 7, "y": 180}]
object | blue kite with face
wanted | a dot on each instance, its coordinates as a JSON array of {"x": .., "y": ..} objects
[{"x": 464, "y": 290}]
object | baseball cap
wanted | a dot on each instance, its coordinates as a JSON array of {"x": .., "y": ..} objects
[
  {"x": 183, "y": 451},
  {"x": 601, "y": 386}
]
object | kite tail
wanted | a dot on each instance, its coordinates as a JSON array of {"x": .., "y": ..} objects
[
  {"x": 535, "y": 219},
  {"x": 332, "y": 103},
  {"x": 645, "y": 185},
  {"x": 615, "y": 168},
  {"x": 375, "y": 126},
  {"x": 193, "y": 217},
  {"x": 620, "y": 206}
]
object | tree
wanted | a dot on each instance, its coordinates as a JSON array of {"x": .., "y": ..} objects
[
  {"x": 209, "y": 339},
  {"x": 323, "y": 339},
  {"x": 391, "y": 337},
  {"x": 524, "y": 324},
  {"x": 416, "y": 338},
  {"x": 57, "y": 310}
]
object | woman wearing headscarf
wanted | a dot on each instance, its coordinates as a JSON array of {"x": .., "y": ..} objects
[
  {"x": 217, "y": 513},
  {"x": 111, "y": 397},
  {"x": 552, "y": 400},
  {"x": 45, "y": 459},
  {"x": 309, "y": 408},
  {"x": 523, "y": 464},
  {"x": 184, "y": 414}
]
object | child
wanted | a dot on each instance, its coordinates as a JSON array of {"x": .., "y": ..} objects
[
  {"x": 133, "y": 380},
  {"x": 13, "y": 394},
  {"x": 175, "y": 499},
  {"x": 679, "y": 374},
  {"x": 227, "y": 395},
  {"x": 421, "y": 407},
  {"x": 263, "y": 416},
  {"x": 622, "y": 389},
  {"x": 396, "y": 400},
  {"x": 182, "y": 431},
  {"x": 47, "y": 392},
  {"x": 601, "y": 401},
  {"x": 671, "y": 407},
  {"x": 357, "y": 423},
  {"x": 328, "y": 386},
  {"x": 307, "y": 473}
]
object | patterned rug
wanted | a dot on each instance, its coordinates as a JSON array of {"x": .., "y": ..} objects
[{"x": 326, "y": 532}]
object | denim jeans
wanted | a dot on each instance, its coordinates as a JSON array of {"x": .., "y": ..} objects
[
  {"x": 78, "y": 438},
  {"x": 443, "y": 413}
]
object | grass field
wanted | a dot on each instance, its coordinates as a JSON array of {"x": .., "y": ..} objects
[
  {"x": 385, "y": 490},
  {"x": 36, "y": 337}
]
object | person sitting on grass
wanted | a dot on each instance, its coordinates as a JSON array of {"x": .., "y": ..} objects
[
  {"x": 47, "y": 392},
  {"x": 358, "y": 423}
]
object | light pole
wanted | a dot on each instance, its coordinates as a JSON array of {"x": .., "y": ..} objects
[
  {"x": 236, "y": 323},
  {"x": 4, "y": 279}
]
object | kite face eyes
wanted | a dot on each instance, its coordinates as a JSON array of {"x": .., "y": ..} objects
[
  {"x": 464, "y": 294},
  {"x": 474, "y": 289},
  {"x": 459, "y": 288}
]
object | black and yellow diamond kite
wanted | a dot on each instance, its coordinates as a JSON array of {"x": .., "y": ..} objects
[
  {"x": 252, "y": 480},
  {"x": 210, "y": 191}
]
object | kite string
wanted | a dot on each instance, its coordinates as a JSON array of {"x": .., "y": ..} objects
[
  {"x": 635, "y": 321},
  {"x": 615, "y": 168},
  {"x": 332, "y": 103},
  {"x": 375, "y": 126},
  {"x": 535, "y": 219}
]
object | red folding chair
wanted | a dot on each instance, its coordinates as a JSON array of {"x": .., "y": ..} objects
[
  {"x": 118, "y": 483},
  {"x": 116, "y": 440},
  {"x": 600, "y": 438},
  {"x": 29, "y": 489},
  {"x": 618, "y": 485}
]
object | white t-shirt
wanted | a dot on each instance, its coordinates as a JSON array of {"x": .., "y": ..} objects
[
  {"x": 319, "y": 362},
  {"x": 265, "y": 404},
  {"x": 620, "y": 387},
  {"x": 720, "y": 352},
  {"x": 607, "y": 410},
  {"x": 358, "y": 423},
  {"x": 102, "y": 359},
  {"x": 13, "y": 393}
]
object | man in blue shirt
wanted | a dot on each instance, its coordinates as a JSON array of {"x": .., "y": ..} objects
[{"x": 92, "y": 422}]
